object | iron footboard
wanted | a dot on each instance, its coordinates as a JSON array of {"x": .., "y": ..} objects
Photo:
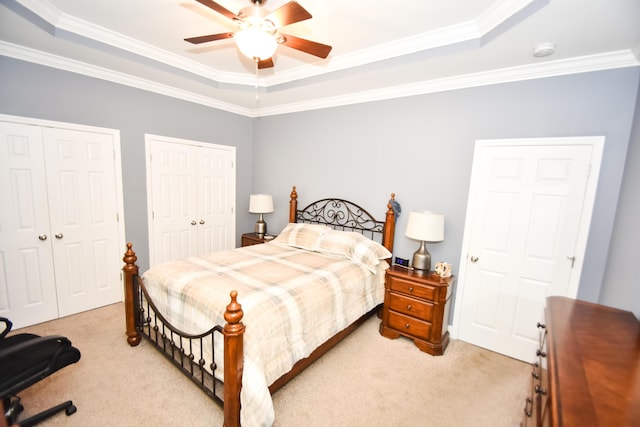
[{"x": 185, "y": 351}]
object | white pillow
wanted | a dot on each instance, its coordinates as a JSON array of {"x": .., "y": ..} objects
[
  {"x": 301, "y": 235},
  {"x": 353, "y": 246}
]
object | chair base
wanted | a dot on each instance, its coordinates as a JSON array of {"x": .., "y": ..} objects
[{"x": 15, "y": 407}]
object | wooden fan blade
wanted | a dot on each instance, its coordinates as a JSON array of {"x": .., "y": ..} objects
[
  {"x": 221, "y": 10},
  {"x": 265, "y": 63},
  {"x": 209, "y": 38},
  {"x": 288, "y": 14},
  {"x": 308, "y": 46}
]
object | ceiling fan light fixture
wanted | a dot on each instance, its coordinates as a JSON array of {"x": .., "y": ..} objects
[
  {"x": 255, "y": 43},
  {"x": 258, "y": 33}
]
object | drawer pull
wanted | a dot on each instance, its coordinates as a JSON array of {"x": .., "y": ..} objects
[
  {"x": 528, "y": 407},
  {"x": 541, "y": 390},
  {"x": 409, "y": 307},
  {"x": 410, "y": 288},
  {"x": 541, "y": 353},
  {"x": 406, "y": 326}
]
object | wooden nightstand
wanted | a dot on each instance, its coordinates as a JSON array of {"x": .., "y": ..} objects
[
  {"x": 416, "y": 305},
  {"x": 249, "y": 239}
]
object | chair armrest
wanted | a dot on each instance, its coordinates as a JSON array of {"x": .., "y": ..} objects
[{"x": 7, "y": 327}]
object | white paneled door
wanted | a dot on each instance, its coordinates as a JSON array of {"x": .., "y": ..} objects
[
  {"x": 191, "y": 197},
  {"x": 27, "y": 289},
  {"x": 173, "y": 187},
  {"x": 216, "y": 198},
  {"x": 60, "y": 236},
  {"x": 528, "y": 216},
  {"x": 84, "y": 218}
]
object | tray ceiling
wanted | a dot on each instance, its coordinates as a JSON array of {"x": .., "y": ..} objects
[{"x": 422, "y": 47}]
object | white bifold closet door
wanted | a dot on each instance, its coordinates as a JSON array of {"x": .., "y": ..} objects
[
  {"x": 191, "y": 197},
  {"x": 59, "y": 230}
]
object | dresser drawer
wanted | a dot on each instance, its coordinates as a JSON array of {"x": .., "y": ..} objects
[
  {"x": 411, "y": 306},
  {"x": 409, "y": 325},
  {"x": 412, "y": 288}
]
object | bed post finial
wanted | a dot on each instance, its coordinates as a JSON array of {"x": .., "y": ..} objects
[
  {"x": 293, "y": 205},
  {"x": 233, "y": 314},
  {"x": 233, "y": 361},
  {"x": 130, "y": 270}
]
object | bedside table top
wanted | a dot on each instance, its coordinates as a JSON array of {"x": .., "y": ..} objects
[
  {"x": 255, "y": 236},
  {"x": 429, "y": 276}
]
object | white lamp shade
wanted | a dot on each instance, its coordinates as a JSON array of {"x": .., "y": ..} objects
[
  {"x": 426, "y": 226},
  {"x": 260, "y": 203}
]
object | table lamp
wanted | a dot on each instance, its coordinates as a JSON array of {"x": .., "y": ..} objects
[
  {"x": 425, "y": 226},
  {"x": 261, "y": 204}
]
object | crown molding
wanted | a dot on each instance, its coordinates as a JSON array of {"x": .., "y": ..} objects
[
  {"x": 502, "y": 11},
  {"x": 605, "y": 61},
  {"x": 70, "y": 24},
  {"x": 472, "y": 31},
  {"x": 61, "y": 63},
  {"x": 584, "y": 64}
]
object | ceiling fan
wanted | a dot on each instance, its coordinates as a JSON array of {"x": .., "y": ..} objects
[{"x": 259, "y": 35}]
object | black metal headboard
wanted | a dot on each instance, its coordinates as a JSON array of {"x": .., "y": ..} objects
[{"x": 342, "y": 215}]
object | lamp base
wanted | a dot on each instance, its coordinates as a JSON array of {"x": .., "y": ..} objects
[
  {"x": 422, "y": 258},
  {"x": 261, "y": 227}
]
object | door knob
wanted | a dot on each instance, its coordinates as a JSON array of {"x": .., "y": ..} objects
[
  {"x": 59, "y": 236},
  {"x": 42, "y": 237},
  {"x": 474, "y": 259}
]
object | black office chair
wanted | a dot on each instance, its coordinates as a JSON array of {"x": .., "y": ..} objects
[{"x": 26, "y": 359}]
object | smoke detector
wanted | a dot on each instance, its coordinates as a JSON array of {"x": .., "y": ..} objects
[{"x": 544, "y": 49}]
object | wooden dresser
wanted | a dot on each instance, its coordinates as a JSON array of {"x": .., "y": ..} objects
[
  {"x": 588, "y": 373},
  {"x": 416, "y": 305}
]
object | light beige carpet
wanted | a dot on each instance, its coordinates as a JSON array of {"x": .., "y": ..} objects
[{"x": 367, "y": 380}]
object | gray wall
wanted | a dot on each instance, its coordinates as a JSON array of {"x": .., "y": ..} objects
[
  {"x": 419, "y": 147},
  {"x": 622, "y": 286},
  {"x": 35, "y": 91}
]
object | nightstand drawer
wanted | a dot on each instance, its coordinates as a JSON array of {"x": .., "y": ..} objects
[
  {"x": 249, "y": 241},
  {"x": 412, "y": 288},
  {"x": 409, "y": 325},
  {"x": 411, "y": 306}
]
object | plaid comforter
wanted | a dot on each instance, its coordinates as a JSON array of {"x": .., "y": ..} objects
[{"x": 293, "y": 301}]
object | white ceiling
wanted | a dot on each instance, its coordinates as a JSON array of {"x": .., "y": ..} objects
[{"x": 380, "y": 49}]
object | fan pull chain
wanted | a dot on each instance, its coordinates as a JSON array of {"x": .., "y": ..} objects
[
  {"x": 257, "y": 90},
  {"x": 257, "y": 86}
]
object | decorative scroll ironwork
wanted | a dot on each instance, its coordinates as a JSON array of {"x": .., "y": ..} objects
[
  {"x": 341, "y": 214},
  {"x": 186, "y": 351}
]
